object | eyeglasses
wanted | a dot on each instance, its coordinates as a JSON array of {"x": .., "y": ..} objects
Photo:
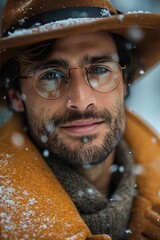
[{"x": 51, "y": 82}]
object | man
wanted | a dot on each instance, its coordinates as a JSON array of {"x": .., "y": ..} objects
[{"x": 69, "y": 79}]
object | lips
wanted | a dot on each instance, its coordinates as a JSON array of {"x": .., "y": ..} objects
[{"x": 80, "y": 127}]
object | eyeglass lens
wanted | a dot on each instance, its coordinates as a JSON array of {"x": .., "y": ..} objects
[{"x": 51, "y": 82}]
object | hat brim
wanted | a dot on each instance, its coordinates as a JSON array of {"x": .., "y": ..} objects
[{"x": 142, "y": 29}]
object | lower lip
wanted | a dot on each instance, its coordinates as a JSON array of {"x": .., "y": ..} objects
[{"x": 86, "y": 129}]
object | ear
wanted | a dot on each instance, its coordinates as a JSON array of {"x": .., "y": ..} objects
[{"x": 16, "y": 101}]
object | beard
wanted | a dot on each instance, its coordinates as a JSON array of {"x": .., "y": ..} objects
[{"x": 78, "y": 151}]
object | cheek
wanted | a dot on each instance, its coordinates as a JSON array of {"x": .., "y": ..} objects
[
  {"x": 28, "y": 93},
  {"x": 114, "y": 99},
  {"x": 120, "y": 93},
  {"x": 116, "y": 103},
  {"x": 118, "y": 99},
  {"x": 41, "y": 108},
  {"x": 120, "y": 104},
  {"x": 34, "y": 100}
]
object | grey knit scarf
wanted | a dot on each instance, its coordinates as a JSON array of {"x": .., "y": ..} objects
[{"x": 103, "y": 214}]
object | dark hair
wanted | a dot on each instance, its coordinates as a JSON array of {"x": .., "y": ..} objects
[
  {"x": 27, "y": 55},
  {"x": 32, "y": 55},
  {"x": 127, "y": 57}
]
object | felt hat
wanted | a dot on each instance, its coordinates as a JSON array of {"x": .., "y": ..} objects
[{"x": 32, "y": 21}]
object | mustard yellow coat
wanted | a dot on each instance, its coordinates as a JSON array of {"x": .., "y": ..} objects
[{"x": 35, "y": 206}]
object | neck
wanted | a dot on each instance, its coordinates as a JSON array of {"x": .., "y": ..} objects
[{"x": 99, "y": 175}]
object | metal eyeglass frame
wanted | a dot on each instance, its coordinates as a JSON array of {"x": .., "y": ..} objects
[{"x": 69, "y": 77}]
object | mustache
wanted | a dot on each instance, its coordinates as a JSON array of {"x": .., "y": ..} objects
[{"x": 104, "y": 115}]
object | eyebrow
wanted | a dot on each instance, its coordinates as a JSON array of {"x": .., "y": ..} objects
[
  {"x": 85, "y": 60},
  {"x": 58, "y": 62},
  {"x": 92, "y": 59}
]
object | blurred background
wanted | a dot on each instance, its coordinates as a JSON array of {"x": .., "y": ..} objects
[{"x": 144, "y": 97}]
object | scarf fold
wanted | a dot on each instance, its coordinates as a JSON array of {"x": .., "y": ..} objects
[{"x": 103, "y": 214}]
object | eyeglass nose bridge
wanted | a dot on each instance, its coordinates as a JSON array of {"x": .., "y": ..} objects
[{"x": 84, "y": 73}]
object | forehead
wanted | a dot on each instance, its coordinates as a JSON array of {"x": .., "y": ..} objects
[{"x": 97, "y": 43}]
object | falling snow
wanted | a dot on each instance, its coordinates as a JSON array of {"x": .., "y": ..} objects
[
  {"x": 50, "y": 127},
  {"x": 80, "y": 193},
  {"x": 113, "y": 168},
  {"x": 85, "y": 140},
  {"x": 153, "y": 139},
  {"x": 121, "y": 169},
  {"x": 46, "y": 153},
  {"x": 136, "y": 33},
  {"x": 121, "y": 17},
  {"x": 23, "y": 97},
  {"x": 128, "y": 231},
  {"x": 90, "y": 191},
  {"x": 141, "y": 72},
  {"x": 17, "y": 139},
  {"x": 44, "y": 138},
  {"x": 138, "y": 169}
]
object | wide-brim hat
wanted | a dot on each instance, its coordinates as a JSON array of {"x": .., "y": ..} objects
[{"x": 32, "y": 21}]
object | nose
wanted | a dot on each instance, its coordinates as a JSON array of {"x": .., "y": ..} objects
[{"x": 80, "y": 95}]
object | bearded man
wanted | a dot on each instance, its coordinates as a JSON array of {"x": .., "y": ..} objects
[{"x": 66, "y": 69}]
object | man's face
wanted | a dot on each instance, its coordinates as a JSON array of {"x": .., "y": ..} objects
[{"x": 83, "y": 126}]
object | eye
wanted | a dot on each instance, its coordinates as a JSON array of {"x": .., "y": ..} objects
[
  {"x": 51, "y": 82},
  {"x": 53, "y": 75},
  {"x": 99, "y": 69}
]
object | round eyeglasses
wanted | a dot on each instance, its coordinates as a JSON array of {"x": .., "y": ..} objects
[{"x": 52, "y": 81}]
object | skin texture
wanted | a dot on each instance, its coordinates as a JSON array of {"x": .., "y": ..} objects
[{"x": 82, "y": 127}]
